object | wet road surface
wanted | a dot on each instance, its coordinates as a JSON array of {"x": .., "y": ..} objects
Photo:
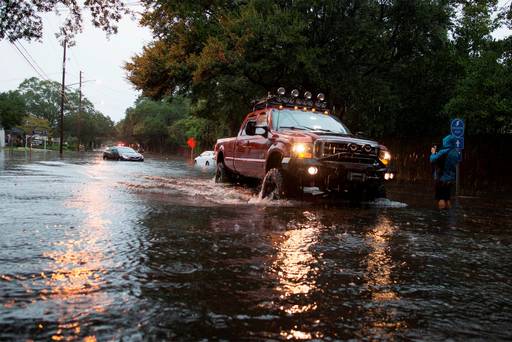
[{"x": 99, "y": 250}]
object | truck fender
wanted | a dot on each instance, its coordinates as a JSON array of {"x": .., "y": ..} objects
[
  {"x": 274, "y": 158},
  {"x": 219, "y": 150}
]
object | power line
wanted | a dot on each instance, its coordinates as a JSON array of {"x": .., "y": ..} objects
[
  {"x": 33, "y": 60},
  {"x": 28, "y": 61}
]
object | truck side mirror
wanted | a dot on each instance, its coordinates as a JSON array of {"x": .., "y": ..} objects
[{"x": 250, "y": 129}]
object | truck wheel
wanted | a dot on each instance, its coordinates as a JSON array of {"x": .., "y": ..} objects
[
  {"x": 376, "y": 192},
  {"x": 222, "y": 174},
  {"x": 380, "y": 192},
  {"x": 273, "y": 185}
]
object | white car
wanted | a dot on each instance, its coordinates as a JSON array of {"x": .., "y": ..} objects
[{"x": 207, "y": 158}]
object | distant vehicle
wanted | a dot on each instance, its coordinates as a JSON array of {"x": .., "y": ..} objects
[
  {"x": 122, "y": 153},
  {"x": 207, "y": 158}
]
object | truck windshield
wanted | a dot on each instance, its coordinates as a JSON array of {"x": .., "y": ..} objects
[{"x": 303, "y": 120}]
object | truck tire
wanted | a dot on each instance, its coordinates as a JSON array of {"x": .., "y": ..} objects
[
  {"x": 273, "y": 185},
  {"x": 222, "y": 175},
  {"x": 373, "y": 193}
]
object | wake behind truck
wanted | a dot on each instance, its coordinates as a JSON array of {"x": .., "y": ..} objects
[{"x": 290, "y": 143}]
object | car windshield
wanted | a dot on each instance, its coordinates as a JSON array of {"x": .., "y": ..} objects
[
  {"x": 123, "y": 149},
  {"x": 304, "y": 120}
]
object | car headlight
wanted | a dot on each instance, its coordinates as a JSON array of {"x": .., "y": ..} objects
[
  {"x": 385, "y": 157},
  {"x": 124, "y": 156},
  {"x": 302, "y": 150}
]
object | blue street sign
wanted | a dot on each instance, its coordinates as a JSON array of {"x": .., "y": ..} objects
[
  {"x": 459, "y": 143},
  {"x": 457, "y": 127}
]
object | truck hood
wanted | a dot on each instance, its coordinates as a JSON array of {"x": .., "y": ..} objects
[{"x": 315, "y": 135}]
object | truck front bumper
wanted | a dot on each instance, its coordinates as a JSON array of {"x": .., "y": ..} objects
[{"x": 336, "y": 175}]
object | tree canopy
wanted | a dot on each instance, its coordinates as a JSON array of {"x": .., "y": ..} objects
[
  {"x": 12, "y": 109},
  {"x": 385, "y": 66},
  {"x": 40, "y": 99},
  {"x": 163, "y": 124},
  {"x": 21, "y": 19}
]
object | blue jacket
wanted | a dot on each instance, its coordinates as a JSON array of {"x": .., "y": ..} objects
[{"x": 452, "y": 159}]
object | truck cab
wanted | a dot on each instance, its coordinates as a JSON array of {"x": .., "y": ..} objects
[{"x": 290, "y": 143}]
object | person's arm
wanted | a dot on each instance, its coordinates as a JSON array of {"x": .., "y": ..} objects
[{"x": 435, "y": 156}]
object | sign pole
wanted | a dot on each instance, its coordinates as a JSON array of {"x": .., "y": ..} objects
[
  {"x": 457, "y": 181},
  {"x": 457, "y": 128}
]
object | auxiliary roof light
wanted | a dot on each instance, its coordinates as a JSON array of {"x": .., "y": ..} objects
[
  {"x": 307, "y": 95},
  {"x": 320, "y": 97},
  {"x": 295, "y": 93},
  {"x": 281, "y": 91}
]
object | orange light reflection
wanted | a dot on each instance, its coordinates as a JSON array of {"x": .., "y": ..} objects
[
  {"x": 295, "y": 263},
  {"x": 77, "y": 267},
  {"x": 379, "y": 278}
]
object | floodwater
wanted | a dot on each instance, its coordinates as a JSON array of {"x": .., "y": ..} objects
[{"x": 100, "y": 250}]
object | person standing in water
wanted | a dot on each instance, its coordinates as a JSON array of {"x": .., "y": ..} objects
[{"x": 445, "y": 164}]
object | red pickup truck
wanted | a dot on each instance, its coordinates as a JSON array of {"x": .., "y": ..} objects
[{"x": 291, "y": 143}]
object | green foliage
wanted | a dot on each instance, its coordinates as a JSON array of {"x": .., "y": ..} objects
[
  {"x": 166, "y": 124},
  {"x": 42, "y": 100},
  {"x": 484, "y": 96},
  {"x": 89, "y": 127},
  {"x": 12, "y": 109},
  {"x": 386, "y": 66},
  {"x": 21, "y": 19},
  {"x": 31, "y": 122},
  {"x": 482, "y": 93}
]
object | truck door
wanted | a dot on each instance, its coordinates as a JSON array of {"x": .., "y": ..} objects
[
  {"x": 241, "y": 155},
  {"x": 258, "y": 147}
]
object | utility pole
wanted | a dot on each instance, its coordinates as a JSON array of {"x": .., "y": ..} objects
[
  {"x": 62, "y": 98},
  {"x": 79, "y": 122}
]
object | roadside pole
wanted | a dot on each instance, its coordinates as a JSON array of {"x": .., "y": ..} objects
[
  {"x": 457, "y": 127},
  {"x": 79, "y": 123},
  {"x": 62, "y": 100},
  {"x": 457, "y": 181}
]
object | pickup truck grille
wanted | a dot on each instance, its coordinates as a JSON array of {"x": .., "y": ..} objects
[{"x": 346, "y": 152}]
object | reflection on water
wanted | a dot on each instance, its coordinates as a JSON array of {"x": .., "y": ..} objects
[
  {"x": 295, "y": 262},
  {"x": 78, "y": 265},
  {"x": 379, "y": 277},
  {"x": 296, "y": 269},
  {"x": 379, "y": 261},
  {"x": 93, "y": 250}
]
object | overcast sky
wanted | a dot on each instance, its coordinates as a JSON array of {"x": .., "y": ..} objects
[{"x": 100, "y": 59}]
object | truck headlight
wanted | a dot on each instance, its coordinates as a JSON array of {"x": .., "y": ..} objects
[
  {"x": 385, "y": 157},
  {"x": 302, "y": 150}
]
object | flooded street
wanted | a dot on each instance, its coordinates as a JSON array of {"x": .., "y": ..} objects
[{"x": 103, "y": 250}]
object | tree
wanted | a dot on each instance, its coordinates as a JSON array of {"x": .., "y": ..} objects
[
  {"x": 12, "y": 109},
  {"x": 369, "y": 57},
  {"x": 42, "y": 99},
  {"x": 482, "y": 94},
  {"x": 90, "y": 127},
  {"x": 148, "y": 120},
  {"x": 21, "y": 19}
]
